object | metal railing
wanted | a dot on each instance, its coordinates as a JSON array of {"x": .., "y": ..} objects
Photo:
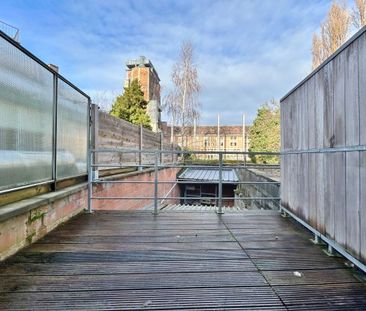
[
  {"x": 181, "y": 160},
  {"x": 10, "y": 30}
]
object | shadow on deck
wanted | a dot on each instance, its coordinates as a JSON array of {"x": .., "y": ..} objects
[{"x": 134, "y": 261}]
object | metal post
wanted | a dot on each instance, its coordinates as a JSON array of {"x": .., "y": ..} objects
[
  {"x": 330, "y": 250},
  {"x": 90, "y": 182},
  {"x": 54, "y": 132},
  {"x": 94, "y": 129},
  {"x": 90, "y": 163},
  {"x": 220, "y": 185},
  {"x": 243, "y": 137},
  {"x": 156, "y": 180},
  {"x": 161, "y": 147},
  {"x": 140, "y": 148},
  {"x": 172, "y": 148},
  {"x": 218, "y": 132},
  {"x": 316, "y": 239}
]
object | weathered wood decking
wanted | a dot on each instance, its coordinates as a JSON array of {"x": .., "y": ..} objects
[{"x": 133, "y": 261}]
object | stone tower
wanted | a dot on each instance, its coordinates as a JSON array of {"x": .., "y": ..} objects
[{"x": 143, "y": 70}]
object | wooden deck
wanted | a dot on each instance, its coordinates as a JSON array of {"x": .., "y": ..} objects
[{"x": 178, "y": 260}]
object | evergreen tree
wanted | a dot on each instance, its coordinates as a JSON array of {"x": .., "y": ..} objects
[
  {"x": 265, "y": 133},
  {"x": 131, "y": 106}
]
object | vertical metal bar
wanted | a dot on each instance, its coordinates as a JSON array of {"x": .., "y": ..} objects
[
  {"x": 90, "y": 182},
  {"x": 140, "y": 148},
  {"x": 330, "y": 249},
  {"x": 220, "y": 185},
  {"x": 156, "y": 180},
  {"x": 172, "y": 148},
  {"x": 94, "y": 128},
  {"x": 218, "y": 132},
  {"x": 161, "y": 147},
  {"x": 316, "y": 239},
  {"x": 90, "y": 160},
  {"x": 54, "y": 131}
]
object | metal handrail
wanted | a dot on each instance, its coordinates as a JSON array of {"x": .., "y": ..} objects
[{"x": 156, "y": 165}]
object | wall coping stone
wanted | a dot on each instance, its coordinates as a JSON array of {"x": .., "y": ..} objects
[
  {"x": 26, "y": 205},
  {"x": 14, "y": 209}
]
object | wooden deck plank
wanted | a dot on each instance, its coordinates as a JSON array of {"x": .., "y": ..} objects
[
  {"x": 324, "y": 297},
  {"x": 167, "y": 246},
  {"x": 123, "y": 256},
  {"x": 95, "y": 268},
  {"x": 247, "y": 298},
  {"x": 169, "y": 238},
  {"x": 135, "y": 281},
  {"x": 134, "y": 261}
]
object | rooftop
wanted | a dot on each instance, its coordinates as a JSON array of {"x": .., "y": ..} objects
[
  {"x": 131, "y": 260},
  {"x": 209, "y": 174}
]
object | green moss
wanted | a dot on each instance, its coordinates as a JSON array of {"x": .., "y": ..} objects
[
  {"x": 29, "y": 238},
  {"x": 36, "y": 216}
]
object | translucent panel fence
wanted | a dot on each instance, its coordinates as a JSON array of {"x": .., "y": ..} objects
[
  {"x": 35, "y": 102},
  {"x": 72, "y": 117}
]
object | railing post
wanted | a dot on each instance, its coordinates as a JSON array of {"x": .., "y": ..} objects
[
  {"x": 220, "y": 185},
  {"x": 161, "y": 147},
  {"x": 54, "y": 132},
  {"x": 140, "y": 147},
  {"x": 156, "y": 180},
  {"x": 173, "y": 155},
  {"x": 90, "y": 181},
  {"x": 90, "y": 155}
]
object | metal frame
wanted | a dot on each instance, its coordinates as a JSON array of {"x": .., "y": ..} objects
[
  {"x": 331, "y": 243},
  {"x": 56, "y": 77},
  {"x": 156, "y": 165}
]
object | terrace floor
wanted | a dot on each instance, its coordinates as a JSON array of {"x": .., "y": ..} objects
[{"x": 178, "y": 260}]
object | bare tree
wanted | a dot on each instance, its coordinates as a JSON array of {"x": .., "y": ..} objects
[
  {"x": 103, "y": 98},
  {"x": 182, "y": 101},
  {"x": 359, "y": 13},
  {"x": 333, "y": 33}
]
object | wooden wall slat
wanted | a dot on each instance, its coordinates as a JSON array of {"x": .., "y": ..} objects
[
  {"x": 340, "y": 200},
  {"x": 362, "y": 88},
  {"x": 339, "y": 100},
  {"x": 328, "y": 190},
  {"x": 352, "y": 112},
  {"x": 328, "y": 120},
  {"x": 312, "y": 190},
  {"x": 329, "y": 194},
  {"x": 353, "y": 202},
  {"x": 362, "y": 219},
  {"x": 319, "y": 202},
  {"x": 319, "y": 108},
  {"x": 311, "y": 112}
]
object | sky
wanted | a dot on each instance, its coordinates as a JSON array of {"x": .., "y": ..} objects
[{"x": 246, "y": 52}]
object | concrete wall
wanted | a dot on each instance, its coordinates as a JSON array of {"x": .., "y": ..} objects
[
  {"x": 325, "y": 112},
  {"x": 257, "y": 190}
]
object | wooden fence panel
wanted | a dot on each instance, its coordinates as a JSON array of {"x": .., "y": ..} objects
[{"x": 328, "y": 110}]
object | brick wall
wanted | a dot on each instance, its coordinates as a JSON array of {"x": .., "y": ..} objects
[
  {"x": 29, "y": 223},
  {"x": 135, "y": 190}
]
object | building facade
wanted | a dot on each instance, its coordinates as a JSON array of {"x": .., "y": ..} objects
[
  {"x": 211, "y": 138},
  {"x": 143, "y": 70}
]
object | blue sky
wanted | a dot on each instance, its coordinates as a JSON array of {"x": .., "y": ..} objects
[{"x": 247, "y": 52}]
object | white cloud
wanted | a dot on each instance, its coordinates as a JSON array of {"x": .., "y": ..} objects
[{"x": 247, "y": 51}]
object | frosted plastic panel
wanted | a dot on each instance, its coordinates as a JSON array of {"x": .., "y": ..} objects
[
  {"x": 26, "y": 105},
  {"x": 72, "y": 131}
]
